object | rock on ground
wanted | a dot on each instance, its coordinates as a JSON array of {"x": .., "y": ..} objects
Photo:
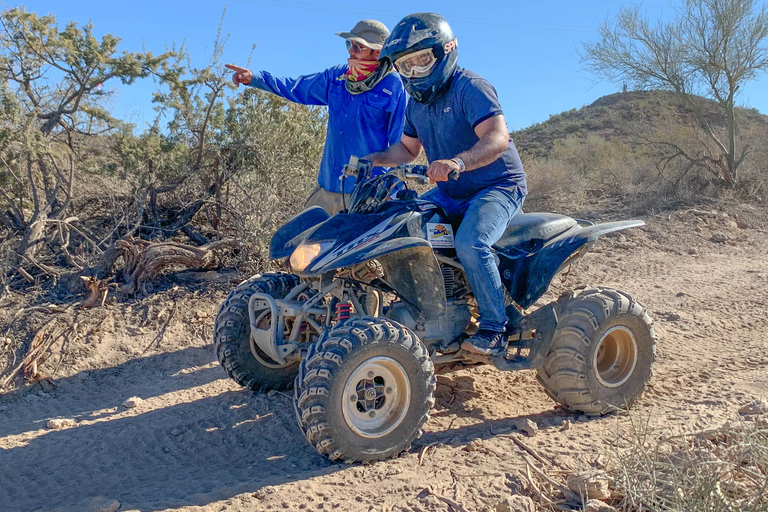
[
  {"x": 57, "y": 423},
  {"x": 756, "y": 406},
  {"x": 598, "y": 506},
  {"x": 516, "y": 504},
  {"x": 592, "y": 483}
]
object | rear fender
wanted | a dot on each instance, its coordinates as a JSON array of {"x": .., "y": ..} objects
[
  {"x": 287, "y": 238},
  {"x": 590, "y": 233},
  {"x": 528, "y": 275}
]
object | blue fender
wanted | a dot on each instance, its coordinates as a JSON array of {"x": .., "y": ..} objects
[
  {"x": 410, "y": 267},
  {"x": 286, "y": 239},
  {"x": 365, "y": 253},
  {"x": 591, "y": 233},
  {"x": 527, "y": 276}
]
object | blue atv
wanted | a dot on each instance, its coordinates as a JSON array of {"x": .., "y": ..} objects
[{"x": 376, "y": 299}]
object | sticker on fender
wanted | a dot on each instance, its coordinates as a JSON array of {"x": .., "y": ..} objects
[{"x": 440, "y": 235}]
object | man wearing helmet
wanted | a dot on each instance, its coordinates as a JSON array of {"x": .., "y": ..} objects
[
  {"x": 366, "y": 106},
  {"x": 458, "y": 121}
]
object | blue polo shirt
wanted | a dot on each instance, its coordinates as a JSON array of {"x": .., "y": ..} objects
[
  {"x": 358, "y": 124},
  {"x": 446, "y": 127}
]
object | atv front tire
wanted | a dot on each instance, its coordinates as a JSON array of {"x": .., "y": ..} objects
[
  {"x": 364, "y": 390},
  {"x": 245, "y": 363},
  {"x": 602, "y": 354}
]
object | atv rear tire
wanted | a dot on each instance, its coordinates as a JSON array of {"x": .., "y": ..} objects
[
  {"x": 364, "y": 390},
  {"x": 247, "y": 364},
  {"x": 602, "y": 355}
]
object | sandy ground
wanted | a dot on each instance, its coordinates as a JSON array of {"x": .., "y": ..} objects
[{"x": 198, "y": 442}]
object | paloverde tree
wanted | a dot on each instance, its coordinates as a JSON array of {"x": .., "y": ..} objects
[
  {"x": 710, "y": 48},
  {"x": 53, "y": 87}
]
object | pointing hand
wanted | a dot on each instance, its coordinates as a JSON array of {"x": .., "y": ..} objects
[{"x": 240, "y": 75}]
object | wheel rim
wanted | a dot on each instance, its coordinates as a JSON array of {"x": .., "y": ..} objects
[
  {"x": 376, "y": 397},
  {"x": 615, "y": 357}
]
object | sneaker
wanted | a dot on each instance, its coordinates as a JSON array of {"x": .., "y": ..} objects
[{"x": 487, "y": 342}]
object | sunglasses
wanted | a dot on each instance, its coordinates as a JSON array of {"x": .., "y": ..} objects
[
  {"x": 356, "y": 47},
  {"x": 416, "y": 65}
]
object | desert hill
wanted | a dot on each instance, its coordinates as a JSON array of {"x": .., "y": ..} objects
[{"x": 622, "y": 116}]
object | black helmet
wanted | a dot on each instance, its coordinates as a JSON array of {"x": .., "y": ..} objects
[{"x": 423, "y": 31}]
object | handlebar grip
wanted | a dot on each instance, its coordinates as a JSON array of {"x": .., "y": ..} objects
[
  {"x": 454, "y": 175},
  {"x": 420, "y": 170},
  {"x": 365, "y": 165}
]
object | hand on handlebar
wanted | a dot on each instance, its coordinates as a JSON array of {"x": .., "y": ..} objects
[{"x": 443, "y": 170}]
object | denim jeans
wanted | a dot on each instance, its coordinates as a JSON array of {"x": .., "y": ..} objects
[{"x": 485, "y": 218}]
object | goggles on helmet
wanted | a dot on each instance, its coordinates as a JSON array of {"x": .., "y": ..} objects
[{"x": 417, "y": 64}]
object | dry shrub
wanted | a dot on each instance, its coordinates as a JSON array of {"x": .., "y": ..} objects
[
  {"x": 720, "y": 470},
  {"x": 641, "y": 147},
  {"x": 581, "y": 166}
]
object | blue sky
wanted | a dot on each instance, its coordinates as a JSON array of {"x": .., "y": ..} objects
[{"x": 527, "y": 50}]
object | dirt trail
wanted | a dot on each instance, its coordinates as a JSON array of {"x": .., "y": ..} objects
[{"x": 198, "y": 442}]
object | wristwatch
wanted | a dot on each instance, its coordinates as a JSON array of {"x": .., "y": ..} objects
[{"x": 460, "y": 163}]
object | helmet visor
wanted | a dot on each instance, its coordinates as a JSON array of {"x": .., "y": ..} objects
[{"x": 417, "y": 64}]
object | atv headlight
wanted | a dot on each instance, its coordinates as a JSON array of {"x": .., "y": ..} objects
[{"x": 303, "y": 255}]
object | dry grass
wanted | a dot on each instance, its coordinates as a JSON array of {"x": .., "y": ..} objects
[{"x": 721, "y": 470}]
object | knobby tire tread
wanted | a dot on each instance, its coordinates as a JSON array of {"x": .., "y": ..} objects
[
  {"x": 564, "y": 375},
  {"x": 233, "y": 324},
  {"x": 322, "y": 364}
]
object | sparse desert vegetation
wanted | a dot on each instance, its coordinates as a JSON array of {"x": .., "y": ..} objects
[{"x": 85, "y": 326}]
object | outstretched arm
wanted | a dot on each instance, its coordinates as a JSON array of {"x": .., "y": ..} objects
[{"x": 307, "y": 89}]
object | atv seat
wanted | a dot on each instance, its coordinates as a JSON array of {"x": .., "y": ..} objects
[{"x": 533, "y": 229}]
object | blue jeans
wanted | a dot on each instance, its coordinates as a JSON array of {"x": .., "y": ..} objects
[{"x": 486, "y": 215}]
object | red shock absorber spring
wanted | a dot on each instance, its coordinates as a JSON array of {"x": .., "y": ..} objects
[{"x": 343, "y": 311}]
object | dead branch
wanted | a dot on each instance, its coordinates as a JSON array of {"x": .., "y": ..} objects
[
  {"x": 25, "y": 274},
  {"x": 68, "y": 222},
  {"x": 49, "y": 271},
  {"x": 145, "y": 260},
  {"x": 528, "y": 449},
  {"x": 539, "y": 493},
  {"x": 456, "y": 475},
  {"x": 94, "y": 289},
  {"x": 424, "y": 451},
  {"x": 106, "y": 261},
  {"x": 568, "y": 493},
  {"x": 38, "y": 347},
  {"x": 64, "y": 345},
  {"x": 46, "y": 309}
]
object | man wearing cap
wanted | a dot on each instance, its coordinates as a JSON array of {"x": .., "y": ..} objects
[{"x": 366, "y": 106}]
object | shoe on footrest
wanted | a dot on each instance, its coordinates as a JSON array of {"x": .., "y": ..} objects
[{"x": 486, "y": 342}]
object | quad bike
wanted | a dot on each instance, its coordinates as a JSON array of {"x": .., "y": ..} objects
[{"x": 376, "y": 298}]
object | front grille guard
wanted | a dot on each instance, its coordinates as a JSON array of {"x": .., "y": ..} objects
[{"x": 271, "y": 339}]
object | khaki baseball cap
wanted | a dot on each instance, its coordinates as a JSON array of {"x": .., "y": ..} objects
[{"x": 370, "y": 33}]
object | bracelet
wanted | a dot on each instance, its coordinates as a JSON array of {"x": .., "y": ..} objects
[{"x": 460, "y": 163}]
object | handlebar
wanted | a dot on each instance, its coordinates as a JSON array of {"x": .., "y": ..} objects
[
  {"x": 419, "y": 172},
  {"x": 361, "y": 168}
]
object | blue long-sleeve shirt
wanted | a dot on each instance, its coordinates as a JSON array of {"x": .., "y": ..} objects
[{"x": 358, "y": 124}]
